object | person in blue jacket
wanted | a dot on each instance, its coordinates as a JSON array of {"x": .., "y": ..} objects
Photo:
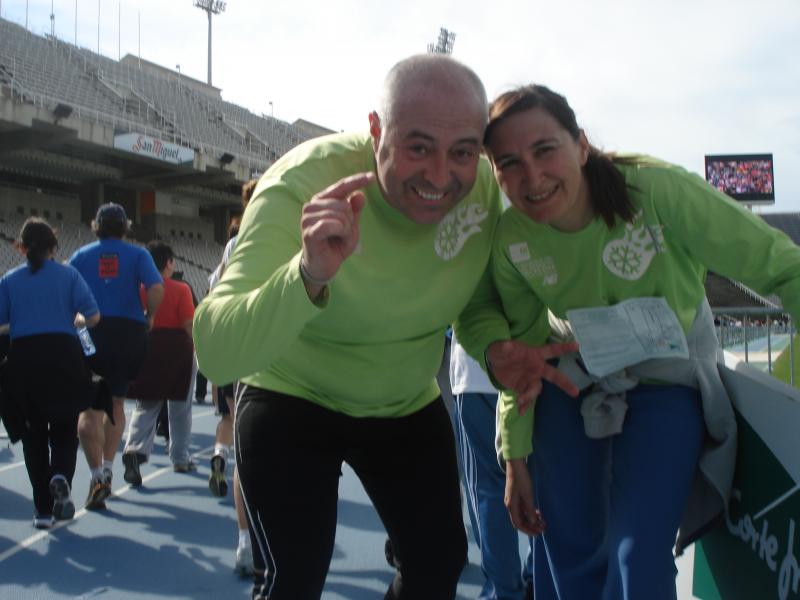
[{"x": 46, "y": 382}]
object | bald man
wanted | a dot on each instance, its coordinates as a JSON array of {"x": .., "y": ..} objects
[{"x": 354, "y": 255}]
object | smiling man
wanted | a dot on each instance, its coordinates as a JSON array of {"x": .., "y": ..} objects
[{"x": 354, "y": 255}]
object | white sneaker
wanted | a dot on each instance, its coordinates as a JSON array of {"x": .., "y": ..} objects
[
  {"x": 244, "y": 561},
  {"x": 63, "y": 506},
  {"x": 43, "y": 521}
]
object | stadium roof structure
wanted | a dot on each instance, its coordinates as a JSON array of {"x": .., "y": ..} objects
[
  {"x": 725, "y": 292},
  {"x": 788, "y": 223},
  {"x": 70, "y": 115}
]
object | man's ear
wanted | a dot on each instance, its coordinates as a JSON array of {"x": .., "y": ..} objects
[{"x": 375, "y": 129}]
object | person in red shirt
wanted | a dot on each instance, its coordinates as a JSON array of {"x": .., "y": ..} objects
[{"x": 167, "y": 374}]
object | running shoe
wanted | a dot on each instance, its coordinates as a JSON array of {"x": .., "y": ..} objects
[
  {"x": 63, "y": 506},
  {"x": 99, "y": 490},
  {"x": 186, "y": 467},
  {"x": 132, "y": 473},
  {"x": 108, "y": 475},
  {"x": 43, "y": 521},
  {"x": 244, "y": 561},
  {"x": 216, "y": 481}
]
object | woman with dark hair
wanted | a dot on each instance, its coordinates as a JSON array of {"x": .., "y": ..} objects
[
  {"x": 46, "y": 382},
  {"x": 648, "y": 450}
]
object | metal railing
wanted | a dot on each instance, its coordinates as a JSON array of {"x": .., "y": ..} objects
[{"x": 739, "y": 329}]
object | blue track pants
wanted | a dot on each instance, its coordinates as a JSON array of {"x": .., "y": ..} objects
[
  {"x": 484, "y": 487},
  {"x": 613, "y": 505}
]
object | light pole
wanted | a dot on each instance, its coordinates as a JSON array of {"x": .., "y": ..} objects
[
  {"x": 444, "y": 44},
  {"x": 211, "y": 7},
  {"x": 271, "y": 111}
]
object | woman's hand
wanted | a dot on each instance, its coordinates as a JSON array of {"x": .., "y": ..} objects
[
  {"x": 519, "y": 498},
  {"x": 520, "y": 368}
]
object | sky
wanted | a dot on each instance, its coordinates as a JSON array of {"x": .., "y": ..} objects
[{"x": 676, "y": 79}]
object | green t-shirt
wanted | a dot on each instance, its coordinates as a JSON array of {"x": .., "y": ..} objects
[
  {"x": 682, "y": 227},
  {"x": 375, "y": 344}
]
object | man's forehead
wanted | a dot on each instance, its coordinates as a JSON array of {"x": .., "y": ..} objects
[
  {"x": 438, "y": 117},
  {"x": 439, "y": 131}
]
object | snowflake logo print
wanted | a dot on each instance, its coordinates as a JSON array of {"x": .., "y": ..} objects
[
  {"x": 459, "y": 225},
  {"x": 630, "y": 256},
  {"x": 625, "y": 259}
]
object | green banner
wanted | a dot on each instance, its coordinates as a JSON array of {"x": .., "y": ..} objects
[{"x": 754, "y": 553}]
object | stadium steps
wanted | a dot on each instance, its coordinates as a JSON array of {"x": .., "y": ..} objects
[{"x": 725, "y": 292}]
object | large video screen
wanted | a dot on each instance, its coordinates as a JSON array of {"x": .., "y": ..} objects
[{"x": 745, "y": 177}]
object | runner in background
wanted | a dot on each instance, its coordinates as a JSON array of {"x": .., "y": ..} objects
[
  {"x": 114, "y": 270},
  {"x": 46, "y": 383},
  {"x": 166, "y": 376},
  {"x": 223, "y": 397}
]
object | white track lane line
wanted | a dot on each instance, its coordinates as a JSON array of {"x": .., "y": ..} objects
[
  {"x": 30, "y": 541},
  {"x": 12, "y": 466},
  {"x": 127, "y": 416}
]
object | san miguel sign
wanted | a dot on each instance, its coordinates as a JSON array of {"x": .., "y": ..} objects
[
  {"x": 153, "y": 148},
  {"x": 754, "y": 554}
]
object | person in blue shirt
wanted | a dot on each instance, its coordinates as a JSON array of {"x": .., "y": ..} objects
[
  {"x": 114, "y": 270},
  {"x": 46, "y": 382}
]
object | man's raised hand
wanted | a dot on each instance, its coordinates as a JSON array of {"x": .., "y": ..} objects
[{"x": 329, "y": 226}]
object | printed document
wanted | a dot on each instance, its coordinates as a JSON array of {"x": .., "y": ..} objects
[{"x": 614, "y": 337}]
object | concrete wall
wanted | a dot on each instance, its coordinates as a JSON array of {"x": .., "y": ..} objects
[{"x": 52, "y": 206}]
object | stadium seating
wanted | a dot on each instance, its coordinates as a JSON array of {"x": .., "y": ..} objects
[
  {"x": 151, "y": 100},
  {"x": 789, "y": 223}
]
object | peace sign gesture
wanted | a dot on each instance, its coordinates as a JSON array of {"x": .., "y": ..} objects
[{"x": 521, "y": 368}]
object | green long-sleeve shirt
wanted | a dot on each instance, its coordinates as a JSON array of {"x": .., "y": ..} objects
[
  {"x": 374, "y": 346},
  {"x": 683, "y": 227}
]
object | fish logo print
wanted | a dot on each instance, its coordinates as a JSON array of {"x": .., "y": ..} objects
[{"x": 457, "y": 227}]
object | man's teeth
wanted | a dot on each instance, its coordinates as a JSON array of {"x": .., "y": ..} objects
[
  {"x": 429, "y": 195},
  {"x": 542, "y": 196}
]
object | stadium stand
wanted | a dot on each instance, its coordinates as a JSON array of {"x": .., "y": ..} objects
[
  {"x": 134, "y": 94},
  {"x": 789, "y": 223},
  {"x": 63, "y": 110}
]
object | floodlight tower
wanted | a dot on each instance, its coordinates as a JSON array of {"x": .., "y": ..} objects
[
  {"x": 443, "y": 45},
  {"x": 211, "y": 7}
]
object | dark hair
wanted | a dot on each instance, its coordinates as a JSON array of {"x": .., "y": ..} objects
[
  {"x": 110, "y": 229},
  {"x": 161, "y": 253},
  {"x": 233, "y": 226},
  {"x": 608, "y": 192},
  {"x": 38, "y": 239},
  {"x": 247, "y": 191}
]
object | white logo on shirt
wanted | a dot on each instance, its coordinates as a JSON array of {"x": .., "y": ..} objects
[
  {"x": 630, "y": 256},
  {"x": 541, "y": 268},
  {"x": 457, "y": 227},
  {"x": 519, "y": 252}
]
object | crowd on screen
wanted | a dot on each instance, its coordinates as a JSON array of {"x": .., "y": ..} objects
[{"x": 741, "y": 177}]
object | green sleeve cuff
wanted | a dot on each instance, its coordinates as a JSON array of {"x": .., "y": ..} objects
[
  {"x": 321, "y": 301},
  {"x": 516, "y": 431},
  {"x": 487, "y": 368}
]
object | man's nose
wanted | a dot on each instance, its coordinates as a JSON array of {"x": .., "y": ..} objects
[{"x": 437, "y": 172}]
